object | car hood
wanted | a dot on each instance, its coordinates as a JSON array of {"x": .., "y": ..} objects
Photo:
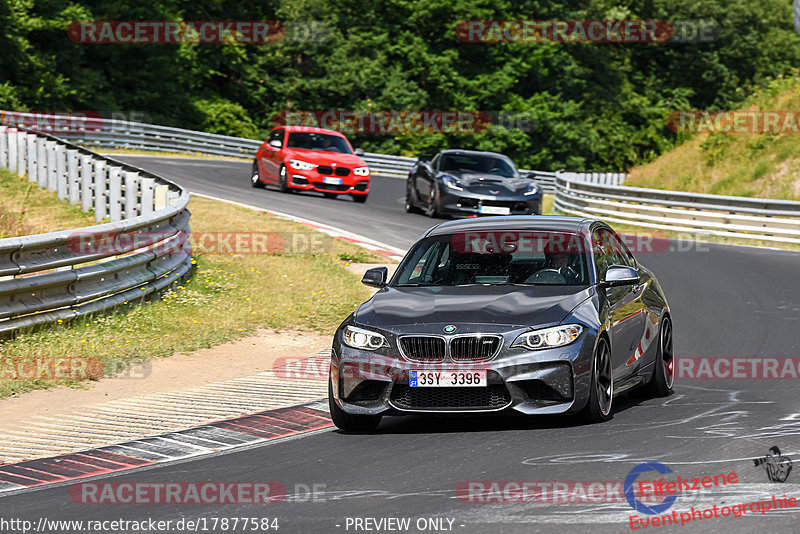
[
  {"x": 509, "y": 305},
  {"x": 318, "y": 157},
  {"x": 487, "y": 184}
]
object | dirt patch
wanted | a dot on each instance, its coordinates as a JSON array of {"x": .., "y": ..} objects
[{"x": 244, "y": 357}]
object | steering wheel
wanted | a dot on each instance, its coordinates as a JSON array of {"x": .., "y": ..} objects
[
  {"x": 568, "y": 272},
  {"x": 547, "y": 276}
]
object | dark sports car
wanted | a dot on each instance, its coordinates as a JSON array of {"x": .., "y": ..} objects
[
  {"x": 533, "y": 315},
  {"x": 468, "y": 183}
]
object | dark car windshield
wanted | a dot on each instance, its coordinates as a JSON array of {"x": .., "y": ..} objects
[
  {"x": 496, "y": 258},
  {"x": 477, "y": 164},
  {"x": 318, "y": 141}
]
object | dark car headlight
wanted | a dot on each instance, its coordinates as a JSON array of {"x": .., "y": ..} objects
[
  {"x": 451, "y": 182},
  {"x": 532, "y": 189},
  {"x": 358, "y": 338},
  {"x": 548, "y": 338}
]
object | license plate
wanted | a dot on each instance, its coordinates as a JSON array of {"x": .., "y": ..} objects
[
  {"x": 447, "y": 379},
  {"x": 494, "y": 210},
  {"x": 332, "y": 181}
]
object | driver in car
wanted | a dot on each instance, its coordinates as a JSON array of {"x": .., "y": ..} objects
[{"x": 560, "y": 261}]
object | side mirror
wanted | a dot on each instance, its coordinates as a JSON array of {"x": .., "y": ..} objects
[
  {"x": 375, "y": 277},
  {"x": 425, "y": 159},
  {"x": 619, "y": 275},
  {"x": 275, "y": 143},
  {"x": 359, "y": 152}
]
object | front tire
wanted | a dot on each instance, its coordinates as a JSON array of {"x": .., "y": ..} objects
[
  {"x": 601, "y": 389},
  {"x": 283, "y": 180},
  {"x": 664, "y": 368},
  {"x": 350, "y": 422}
]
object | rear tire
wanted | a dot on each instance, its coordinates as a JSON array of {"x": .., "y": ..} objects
[
  {"x": 601, "y": 389},
  {"x": 409, "y": 204},
  {"x": 350, "y": 422},
  {"x": 255, "y": 177},
  {"x": 664, "y": 368},
  {"x": 432, "y": 209},
  {"x": 360, "y": 199}
]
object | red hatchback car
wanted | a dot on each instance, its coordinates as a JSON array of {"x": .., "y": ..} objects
[{"x": 298, "y": 158}]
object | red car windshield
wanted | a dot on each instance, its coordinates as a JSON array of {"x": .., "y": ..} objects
[{"x": 318, "y": 141}]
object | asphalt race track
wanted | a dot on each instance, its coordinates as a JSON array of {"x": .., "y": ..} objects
[{"x": 725, "y": 301}]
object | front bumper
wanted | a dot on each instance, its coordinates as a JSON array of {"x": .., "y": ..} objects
[
  {"x": 466, "y": 204},
  {"x": 313, "y": 181},
  {"x": 552, "y": 381}
]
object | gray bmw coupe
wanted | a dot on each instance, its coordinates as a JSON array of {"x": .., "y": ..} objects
[{"x": 530, "y": 315}]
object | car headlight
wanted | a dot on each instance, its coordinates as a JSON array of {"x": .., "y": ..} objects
[
  {"x": 548, "y": 338},
  {"x": 532, "y": 189},
  {"x": 451, "y": 182},
  {"x": 358, "y": 338},
  {"x": 301, "y": 165},
  {"x": 361, "y": 171}
]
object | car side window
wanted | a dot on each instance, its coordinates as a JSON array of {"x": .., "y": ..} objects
[
  {"x": 603, "y": 254},
  {"x": 624, "y": 256},
  {"x": 435, "y": 161},
  {"x": 277, "y": 135}
]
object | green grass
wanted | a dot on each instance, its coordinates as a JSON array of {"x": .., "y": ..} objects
[
  {"x": 228, "y": 296},
  {"x": 753, "y": 165},
  {"x": 25, "y": 209}
]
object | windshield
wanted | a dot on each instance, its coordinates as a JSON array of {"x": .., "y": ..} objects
[
  {"x": 475, "y": 164},
  {"x": 318, "y": 141},
  {"x": 496, "y": 258}
]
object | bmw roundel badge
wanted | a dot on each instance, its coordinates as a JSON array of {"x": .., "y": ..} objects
[{"x": 449, "y": 329}]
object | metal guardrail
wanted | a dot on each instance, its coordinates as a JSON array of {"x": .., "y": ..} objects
[
  {"x": 59, "y": 276},
  {"x": 117, "y": 134},
  {"x": 739, "y": 217}
]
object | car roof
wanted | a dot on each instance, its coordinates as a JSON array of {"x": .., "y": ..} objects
[
  {"x": 473, "y": 152},
  {"x": 533, "y": 223},
  {"x": 310, "y": 129}
]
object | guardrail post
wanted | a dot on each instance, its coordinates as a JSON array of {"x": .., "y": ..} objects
[
  {"x": 3, "y": 147},
  {"x": 61, "y": 171},
  {"x": 31, "y": 149},
  {"x": 100, "y": 200},
  {"x": 87, "y": 189},
  {"x": 52, "y": 172},
  {"x": 114, "y": 193},
  {"x": 22, "y": 139},
  {"x": 131, "y": 193},
  {"x": 41, "y": 161},
  {"x": 73, "y": 182},
  {"x": 161, "y": 196},
  {"x": 12, "y": 150},
  {"x": 148, "y": 188}
]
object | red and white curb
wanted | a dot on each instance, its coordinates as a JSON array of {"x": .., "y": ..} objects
[
  {"x": 338, "y": 233},
  {"x": 211, "y": 438}
]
